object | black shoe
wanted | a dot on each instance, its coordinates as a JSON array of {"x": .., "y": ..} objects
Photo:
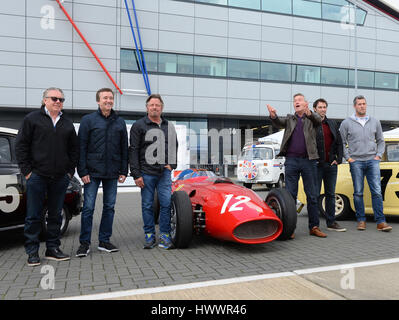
[
  {"x": 56, "y": 254},
  {"x": 107, "y": 247},
  {"x": 33, "y": 259},
  {"x": 336, "y": 227},
  {"x": 83, "y": 250}
]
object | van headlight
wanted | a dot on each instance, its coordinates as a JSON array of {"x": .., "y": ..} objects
[{"x": 265, "y": 171}]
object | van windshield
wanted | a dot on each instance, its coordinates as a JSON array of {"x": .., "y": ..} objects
[{"x": 257, "y": 154}]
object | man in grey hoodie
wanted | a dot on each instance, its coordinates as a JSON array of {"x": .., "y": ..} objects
[{"x": 364, "y": 145}]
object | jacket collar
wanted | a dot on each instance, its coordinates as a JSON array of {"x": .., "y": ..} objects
[
  {"x": 112, "y": 115},
  {"x": 148, "y": 121}
]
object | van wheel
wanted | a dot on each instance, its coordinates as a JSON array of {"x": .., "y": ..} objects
[
  {"x": 280, "y": 183},
  {"x": 247, "y": 185}
]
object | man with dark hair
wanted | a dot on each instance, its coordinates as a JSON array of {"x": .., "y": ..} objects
[
  {"x": 47, "y": 152},
  {"x": 329, "y": 145},
  {"x": 103, "y": 159},
  {"x": 300, "y": 151},
  {"x": 364, "y": 145},
  {"x": 153, "y": 155}
]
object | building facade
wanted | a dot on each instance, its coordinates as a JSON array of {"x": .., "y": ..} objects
[{"x": 217, "y": 63}]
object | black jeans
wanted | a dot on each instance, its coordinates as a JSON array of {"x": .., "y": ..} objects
[
  {"x": 328, "y": 174},
  {"x": 37, "y": 187}
]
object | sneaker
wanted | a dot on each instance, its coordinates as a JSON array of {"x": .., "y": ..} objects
[
  {"x": 336, "y": 227},
  {"x": 361, "y": 225},
  {"x": 315, "y": 231},
  {"x": 33, "y": 260},
  {"x": 165, "y": 242},
  {"x": 83, "y": 250},
  {"x": 383, "y": 226},
  {"x": 56, "y": 254},
  {"x": 107, "y": 247},
  {"x": 149, "y": 239}
]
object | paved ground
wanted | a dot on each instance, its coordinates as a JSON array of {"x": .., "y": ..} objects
[{"x": 206, "y": 259}]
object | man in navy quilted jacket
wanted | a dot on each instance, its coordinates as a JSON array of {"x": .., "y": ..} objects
[{"x": 103, "y": 159}]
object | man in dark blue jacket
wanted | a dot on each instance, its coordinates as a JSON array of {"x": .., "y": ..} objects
[{"x": 103, "y": 159}]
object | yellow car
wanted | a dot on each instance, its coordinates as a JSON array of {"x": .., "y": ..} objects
[{"x": 344, "y": 206}]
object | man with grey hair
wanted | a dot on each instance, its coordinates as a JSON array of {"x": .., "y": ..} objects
[
  {"x": 153, "y": 155},
  {"x": 299, "y": 148},
  {"x": 47, "y": 152},
  {"x": 364, "y": 146}
]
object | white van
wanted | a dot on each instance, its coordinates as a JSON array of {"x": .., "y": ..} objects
[{"x": 258, "y": 163}]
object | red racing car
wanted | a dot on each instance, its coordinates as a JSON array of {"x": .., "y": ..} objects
[{"x": 205, "y": 203}]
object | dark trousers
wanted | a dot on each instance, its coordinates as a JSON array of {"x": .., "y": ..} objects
[
  {"x": 37, "y": 187},
  {"x": 294, "y": 168},
  {"x": 327, "y": 174}
]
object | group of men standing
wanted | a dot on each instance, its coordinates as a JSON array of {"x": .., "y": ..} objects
[
  {"x": 314, "y": 147},
  {"x": 48, "y": 150}
]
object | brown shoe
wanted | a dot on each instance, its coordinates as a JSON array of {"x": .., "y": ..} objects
[
  {"x": 361, "y": 225},
  {"x": 315, "y": 231},
  {"x": 383, "y": 226}
]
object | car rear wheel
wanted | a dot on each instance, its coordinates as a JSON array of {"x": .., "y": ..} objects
[
  {"x": 343, "y": 209},
  {"x": 280, "y": 182},
  {"x": 283, "y": 205},
  {"x": 181, "y": 219},
  {"x": 64, "y": 224}
]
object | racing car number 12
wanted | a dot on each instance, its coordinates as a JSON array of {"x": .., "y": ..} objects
[{"x": 234, "y": 206}]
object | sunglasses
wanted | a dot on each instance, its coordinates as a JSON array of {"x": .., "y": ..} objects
[{"x": 56, "y": 98}]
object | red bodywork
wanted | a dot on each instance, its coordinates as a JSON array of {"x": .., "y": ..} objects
[{"x": 231, "y": 212}]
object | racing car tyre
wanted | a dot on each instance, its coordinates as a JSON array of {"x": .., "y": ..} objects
[
  {"x": 181, "y": 219},
  {"x": 283, "y": 204},
  {"x": 156, "y": 207},
  {"x": 343, "y": 209},
  {"x": 64, "y": 225}
]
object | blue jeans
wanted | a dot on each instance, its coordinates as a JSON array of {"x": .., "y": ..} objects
[
  {"x": 294, "y": 168},
  {"x": 107, "y": 218},
  {"x": 371, "y": 170},
  {"x": 328, "y": 174},
  {"x": 163, "y": 185},
  {"x": 37, "y": 187}
]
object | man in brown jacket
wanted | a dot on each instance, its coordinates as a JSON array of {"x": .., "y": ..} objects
[{"x": 299, "y": 148}]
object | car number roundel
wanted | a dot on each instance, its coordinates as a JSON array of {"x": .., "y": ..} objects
[{"x": 250, "y": 170}]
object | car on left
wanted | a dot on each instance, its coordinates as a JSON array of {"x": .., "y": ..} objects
[{"x": 13, "y": 190}]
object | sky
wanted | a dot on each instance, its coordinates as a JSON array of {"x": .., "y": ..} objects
[{"x": 392, "y": 3}]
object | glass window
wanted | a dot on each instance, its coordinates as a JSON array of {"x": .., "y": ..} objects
[
  {"x": 335, "y": 13},
  {"x": 360, "y": 16},
  {"x": 185, "y": 64},
  {"x": 276, "y": 71},
  {"x": 386, "y": 80},
  {"x": 5, "y": 150},
  {"x": 151, "y": 61},
  {"x": 128, "y": 60},
  {"x": 243, "y": 69},
  {"x": 167, "y": 62},
  {"x": 337, "y": 2},
  {"x": 257, "y": 154},
  {"x": 364, "y": 78},
  {"x": 334, "y": 76},
  {"x": 392, "y": 152},
  {"x": 251, "y": 4},
  {"x": 213, "y": 1},
  {"x": 307, "y": 8},
  {"x": 308, "y": 74},
  {"x": 208, "y": 66},
  {"x": 281, "y": 6}
]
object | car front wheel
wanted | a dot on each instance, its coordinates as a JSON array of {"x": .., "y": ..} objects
[{"x": 181, "y": 219}]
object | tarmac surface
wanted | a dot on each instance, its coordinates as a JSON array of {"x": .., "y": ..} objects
[{"x": 344, "y": 266}]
